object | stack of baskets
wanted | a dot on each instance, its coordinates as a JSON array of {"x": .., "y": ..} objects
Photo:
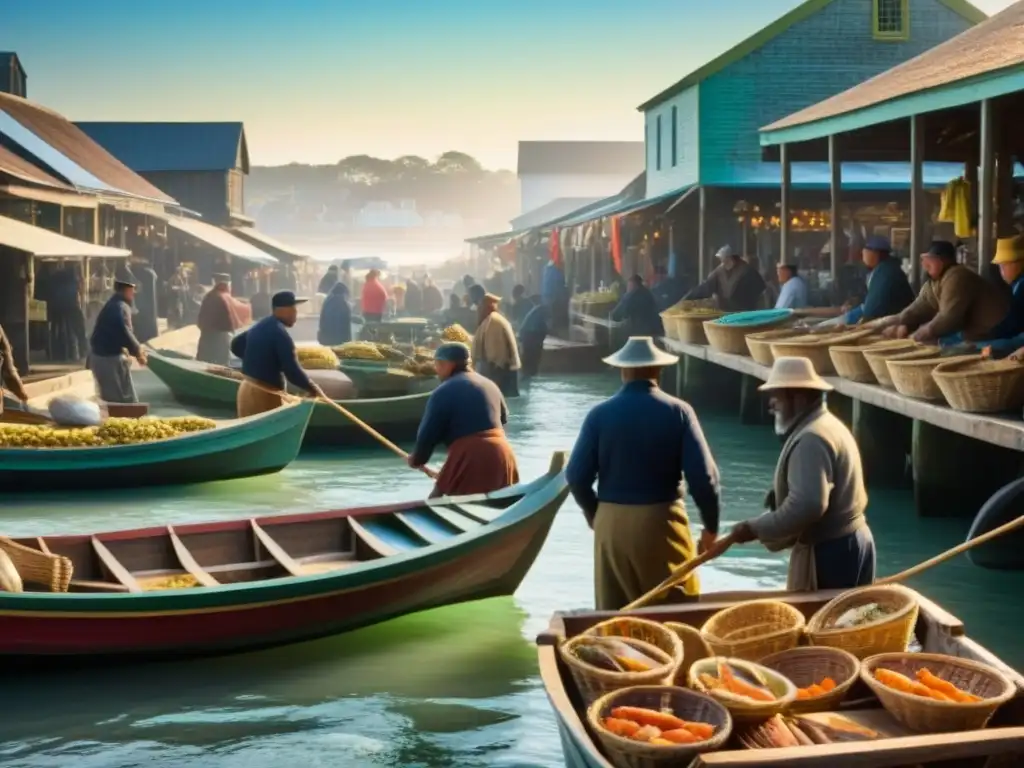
[
  {"x": 851, "y": 362},
  {"x": 760, "y": 344},
  {"x": 685, "y": 321},
  {"x": 911, "y": 373},
  {"x": 876, "y": 355},
  {"x": 729, "y": 334},
  {"x": 975, "y": 385},
  {"x": 816, "y": 347},
  {"x": 38, "y": 567}
]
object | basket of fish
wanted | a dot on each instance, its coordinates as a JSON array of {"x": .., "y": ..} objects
[
  {"x": 866, "y": 621},
  {"x": 781, "y": 731},
  {"x": 751, "y": 692},
  {"x": 822, "y": 675}
]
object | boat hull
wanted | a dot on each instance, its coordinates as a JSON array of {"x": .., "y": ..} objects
[
  {"x": 397, "y": 418},
  {"x": 1006, "y": 552},
  {"x": 246, "y": 448}
]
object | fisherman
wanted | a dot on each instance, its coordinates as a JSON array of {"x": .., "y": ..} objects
[
  {"x": 467, "y": 414},
  {"x": 532, "y": 332},
  {"x": 1008, "y": 336},
  {"x": 521, "y": 305},
  {"x": 736, "y": 284},
  {"x": 818, "y": 500},
  {"x": 793, "y": 291},
  {"x": 639, "y": 310},
  {"x": 433, "y": 301},
  {"x": 956, "y": 305},
  {"x": 113, "y": 337},
  {"x": 268, "y": 357},
  {"x": 328, "y": 280},
  {"x": 495, "y": 350},
  {"x": 888, "y": 290},
  {"x": 9, "y": 378},
  {"x": 639, "y": 445},
  {"x": 374, "y": 297},
  {"x": 335, "y": 318},
  {"x": 147, "y": 320},
  {"x": 219, "y": 318}
]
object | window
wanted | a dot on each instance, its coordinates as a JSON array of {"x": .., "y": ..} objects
[
  {"x": 657, "y": 148},
  {"x": 675, "y": 135},
  {"x": 891, "y": 19}
]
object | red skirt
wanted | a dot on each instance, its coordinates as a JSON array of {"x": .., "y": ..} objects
[{"x": 478, "y": 463}]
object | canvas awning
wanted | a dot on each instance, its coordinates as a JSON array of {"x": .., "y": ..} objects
[
  {"x": 222, "y": 240},
  {"x": 66, "y": 199},
  {"x": 46, "y": 244},
  {"x": 257, "y": 238}
]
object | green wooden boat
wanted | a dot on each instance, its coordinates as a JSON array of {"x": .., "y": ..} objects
[
  {"x": 256, "y": 445},
  {"x": 397, "y": 418}
]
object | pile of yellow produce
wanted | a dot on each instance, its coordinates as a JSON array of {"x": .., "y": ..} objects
[
  {"x": 317, "y": 358},
  {"x": 597, "y": 297},
  {"x": 456, "y": 333},
  {"x": 359, "y": 350},
  {"x": 419, "y": 367},
  {"x": 114, "y": 431},
  {"x": 181, "y": 581}
]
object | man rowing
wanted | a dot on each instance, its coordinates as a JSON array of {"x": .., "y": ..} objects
[
  {"x": 268, "y": 357},
  {"x": 467, "y": 413}
]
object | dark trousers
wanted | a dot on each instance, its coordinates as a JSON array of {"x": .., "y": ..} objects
[
  {"x": 532, "y": 351},
  {"x": 372, "y": 317},
  {"x": 846, "y": 562}
]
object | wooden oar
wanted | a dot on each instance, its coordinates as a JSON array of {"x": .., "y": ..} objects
[
  {"x": 431, "y": 473},
  {"x": 683, "y": 572}
]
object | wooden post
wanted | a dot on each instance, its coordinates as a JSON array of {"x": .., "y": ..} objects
[
  {"x": 785, "y": 196},
  {"x": 835, "y": 166},
  {"x": 701, "y": 234},
  {"x": 986, "y": 186},
  {"x": 918, "y": 213}
]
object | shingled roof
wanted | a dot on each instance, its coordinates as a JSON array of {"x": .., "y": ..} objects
[{"x": 994, "y": 46}]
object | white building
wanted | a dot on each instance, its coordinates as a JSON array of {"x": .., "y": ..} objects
[{"x": 549, "y": 170}]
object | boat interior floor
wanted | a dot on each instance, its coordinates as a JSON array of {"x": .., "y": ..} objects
[{"x": 256, "y": 549}]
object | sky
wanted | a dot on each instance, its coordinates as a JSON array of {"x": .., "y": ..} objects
[{"x": 317, "y": 80}]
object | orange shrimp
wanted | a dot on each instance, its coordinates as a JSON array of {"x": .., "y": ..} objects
[
  {"x": 701, "y": 730},
  {"x": 828, "y": 685},
  {"x": 681, "y": 736},
  {"x": 620, "y": 727},
  {"x": 663, "y": 720},
  {"x": 904, "y": 684},
  {"x": 739, "y": 687},
  {"x": 936, "y": 683}
]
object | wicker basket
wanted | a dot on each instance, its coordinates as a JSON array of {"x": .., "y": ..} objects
[
  {"x": 670, "y": 321},
  {"x": 879, "y": 353},
  {"x": 754, "y": 629},
  {"x": 746, "y": 711},
  {"x": 38, "y": 567},
  {"x": 911, "y": 373},
  {"x": 594, "y": 683},
  {"x": 684, "y": 704},
  {"x": 732, "y": 339},
  {"x": 694, "y": 648},
  {"x": 891, "y": 633},
  {"x": 690, "y": 326},
  {"x": 816, "y": 347},
  {"x": 928, "y": 715},
  {"x": 809, "y": 665},
  {"x": 974, "y": 385},
  {"x": 760, "y": 344}
]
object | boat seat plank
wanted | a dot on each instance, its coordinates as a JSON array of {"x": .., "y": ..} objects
[
  {"x": 392, "y": 532},
  {"x": 423, "y": 531},
  {"x": 95, "y": 586},
  {"x": 456, "y": 519},
  {"x": 479, "y": 512},
  {"x": 381, "y": 548},
  {"x": 188, "y": 562},
  {"x": 432, "y": 524},
  {"x": 276, "y": 550},
  {"x": 112, "y": 564}
]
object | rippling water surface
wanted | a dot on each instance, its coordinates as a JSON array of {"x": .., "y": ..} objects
[{"x": 452, "y": 687}]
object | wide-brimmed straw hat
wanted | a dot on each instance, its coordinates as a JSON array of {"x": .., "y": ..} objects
[
  {"x": 794, "y": 373},
  {"x": 640, "y": 352},
  {"x": 1009, "y": 250}
]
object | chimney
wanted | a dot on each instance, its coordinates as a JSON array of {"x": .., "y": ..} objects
[{"x": 12, "y": 76}]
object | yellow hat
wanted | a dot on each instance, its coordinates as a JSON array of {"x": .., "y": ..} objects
[{"x": 1009, "y": 250}]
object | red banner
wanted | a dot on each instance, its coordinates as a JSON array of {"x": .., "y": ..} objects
[
  {"x": 616, "y": 245},
  {"x": 554, "y": 248}
]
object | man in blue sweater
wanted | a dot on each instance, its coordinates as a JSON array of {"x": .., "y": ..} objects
[
  {"x": 639, "y": 445},
  {"x": 113, "y": 345},
  {"x": 268, "y": 358}
]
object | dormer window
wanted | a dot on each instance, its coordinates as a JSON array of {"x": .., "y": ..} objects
[{"x": 890, "y": 19}]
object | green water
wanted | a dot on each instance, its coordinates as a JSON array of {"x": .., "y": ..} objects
[{"x": 453, "y": 687}]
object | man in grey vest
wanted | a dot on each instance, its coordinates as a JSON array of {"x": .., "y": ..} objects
[{"x": 817, "y": 504}]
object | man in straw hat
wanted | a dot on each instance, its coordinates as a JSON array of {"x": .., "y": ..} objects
[
  {"x": 639, "y": 445},
  {"x": 495, "y": 349},
  {"x": 818, "y": 500},
  {"x": 113, "y": 345},
  {"x": 468, "y": 414},
  {"x": 1008, "y": 335}
]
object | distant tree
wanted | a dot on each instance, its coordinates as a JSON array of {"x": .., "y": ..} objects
[{"x": 458, "y": 162}]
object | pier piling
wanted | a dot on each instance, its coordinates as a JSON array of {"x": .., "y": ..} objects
[{"x": 885, "y": 440}]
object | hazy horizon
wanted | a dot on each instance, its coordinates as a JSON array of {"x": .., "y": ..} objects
[{"x": 317, "y": 80}]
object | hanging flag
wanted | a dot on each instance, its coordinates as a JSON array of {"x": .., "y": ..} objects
[
  {"x": 554, "y": 248},
  {"x": 616, "y": 245}
]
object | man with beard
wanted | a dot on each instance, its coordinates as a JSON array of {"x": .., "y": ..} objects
[{"x": 817, "y": 504}]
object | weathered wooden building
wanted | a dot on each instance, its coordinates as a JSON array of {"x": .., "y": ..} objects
[{"x": 13, "y": 79}]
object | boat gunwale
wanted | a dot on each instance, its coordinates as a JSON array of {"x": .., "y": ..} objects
[
  {"x": 263, "y": 591},
  {"x": 350, "y": 403},
  {"x": 222, "y": 428},
  {"x": 557, "y": 682}
]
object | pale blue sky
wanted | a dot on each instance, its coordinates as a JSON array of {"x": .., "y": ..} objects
[{"x": 315, "y": 80}]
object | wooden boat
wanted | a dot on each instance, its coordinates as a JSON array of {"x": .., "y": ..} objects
[
  {"x": 563, "y": 356},
  {"x": 257, "y": 445},
  {"x": 937, "y": 630},
  {"x": 396, "y": 418},
  {"x": 1006, "y": 552},
  {"x": 277, "y": 580}
]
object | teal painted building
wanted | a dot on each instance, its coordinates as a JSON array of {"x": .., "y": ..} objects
[{"x": 703, "y": 130}]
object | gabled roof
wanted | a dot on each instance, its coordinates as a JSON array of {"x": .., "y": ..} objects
[
  {"x": 948, "y": 75},
  {"x": 590, "y": 158},
  {"x": 53, "y": 141},
  {"x": 151, "y": 147},
  {"x": 803, "y": 11},
  {"x": 557, "y": 208}
]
